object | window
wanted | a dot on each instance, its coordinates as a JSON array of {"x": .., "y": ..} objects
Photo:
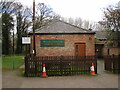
[{"x": 76, "y": 48}]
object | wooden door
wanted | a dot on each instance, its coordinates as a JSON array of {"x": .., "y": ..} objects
[{"x": 80, "y": 49}]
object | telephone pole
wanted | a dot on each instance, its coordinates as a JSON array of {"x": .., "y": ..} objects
[{"x": 34, "y": 44}]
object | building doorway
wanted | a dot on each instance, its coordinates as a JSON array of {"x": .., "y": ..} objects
[
  {"x": 80, "y": 49},
  {"x": 99, "y": 50}
]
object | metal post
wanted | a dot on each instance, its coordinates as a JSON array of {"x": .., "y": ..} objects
[
  {"x": 13, "y": 52},
  {"x": 13, "y": 42},
  {"x": 13, "y": 64}
]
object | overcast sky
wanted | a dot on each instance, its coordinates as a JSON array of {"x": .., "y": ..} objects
[{"x": 86, "y": 9}]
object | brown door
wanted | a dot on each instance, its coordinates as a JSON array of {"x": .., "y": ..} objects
[{"x": 80, "y": 49}]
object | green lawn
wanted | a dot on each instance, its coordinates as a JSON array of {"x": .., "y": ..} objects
[
  {"x": 0, "y": 62},
  {"x": 12, "y": 62}
]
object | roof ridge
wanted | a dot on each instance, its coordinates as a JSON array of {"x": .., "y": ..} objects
[
  {"x": 73, "y": 25},
  {"x": 56, "y": 20},
  {"x": 59, "y": 26}
]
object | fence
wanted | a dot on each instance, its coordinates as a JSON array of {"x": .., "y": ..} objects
[
  {"x": 59, "y": 65},
  {"x": 112, "y": 63}
]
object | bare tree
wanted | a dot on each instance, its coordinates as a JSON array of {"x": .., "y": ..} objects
[
  {"x": 8, "y": 10},
  {"x": 86, "y": 24},
  {"x": 43, "y": 15},
  {"x": 64, "y": 19},
  {"x": 55, "y": 16},
  {"x": 23, "y": 23},
  {"x": 111, "y": 22},
  {"x": 71, "y": 20},
  {"x": 9, "y": 7},
  {"x": 23, "y": 17},
  {"x": 112, "y": 18},
  {"x": 78, "y": 22}
]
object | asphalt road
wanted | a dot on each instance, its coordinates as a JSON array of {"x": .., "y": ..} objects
[{"x": 12, "y": 79}]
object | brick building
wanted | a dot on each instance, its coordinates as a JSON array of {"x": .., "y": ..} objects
[
  {"x": 60, "y": 38},
  {"x": 104, "y": 46}
]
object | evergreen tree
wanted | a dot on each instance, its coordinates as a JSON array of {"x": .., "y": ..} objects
[
  {"x": 7, "y": 25},
  {"x": 19, "y": 35}
]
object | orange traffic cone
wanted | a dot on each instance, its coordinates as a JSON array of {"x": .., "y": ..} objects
[
  {"x": 44, "y": 75},
  {"x": 92, "y": 72}
]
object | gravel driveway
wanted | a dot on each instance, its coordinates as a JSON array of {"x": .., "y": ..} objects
[{"x": 12, "y": 79}]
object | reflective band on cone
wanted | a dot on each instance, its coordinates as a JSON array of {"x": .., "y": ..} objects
[
  {"x": 92, "y": 72},
  {"x": 44, "y": 69},
  {"x": 92, "y": 68}
]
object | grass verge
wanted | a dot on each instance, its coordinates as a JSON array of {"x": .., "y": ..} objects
[{"x": 12, "y": 62}]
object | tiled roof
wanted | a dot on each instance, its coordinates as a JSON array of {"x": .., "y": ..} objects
[
  {"x": 101, "y": 35},
  {"x": 58, "y": 26},
  {"x": 106, "y": 34}
]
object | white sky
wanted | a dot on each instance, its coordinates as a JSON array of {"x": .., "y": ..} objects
[{"x": 86, "y": 9}]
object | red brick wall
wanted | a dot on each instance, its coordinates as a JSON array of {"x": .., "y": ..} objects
[
  {"x": 69, "y": 49},
  {"x": 112, "y": 50}
]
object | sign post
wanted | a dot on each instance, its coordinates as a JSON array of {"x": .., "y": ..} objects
[{"x": 26, "y": 41}]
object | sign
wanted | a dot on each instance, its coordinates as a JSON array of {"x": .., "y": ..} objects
[
  {"x": 25, "y": 40},
  {"x": 52, "y": 43}
]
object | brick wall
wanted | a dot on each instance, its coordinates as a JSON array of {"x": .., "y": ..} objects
[
  {"x": 112, "y": 50},
  {"x": 69, "y": 49}
]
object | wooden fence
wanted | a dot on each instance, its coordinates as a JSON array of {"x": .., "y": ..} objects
[
  {"x": 59, "y": 65},
  {"x": 112, "y": 63}
]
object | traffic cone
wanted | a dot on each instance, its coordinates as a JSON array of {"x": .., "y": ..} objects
[
  {"x": 92, "y": 72},
  {"x": 44, "y": 75}
]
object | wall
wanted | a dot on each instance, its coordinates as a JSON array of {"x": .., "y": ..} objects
[
  {"x": 112, "y": 50},
  {"x": 69, "y": 49}
]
